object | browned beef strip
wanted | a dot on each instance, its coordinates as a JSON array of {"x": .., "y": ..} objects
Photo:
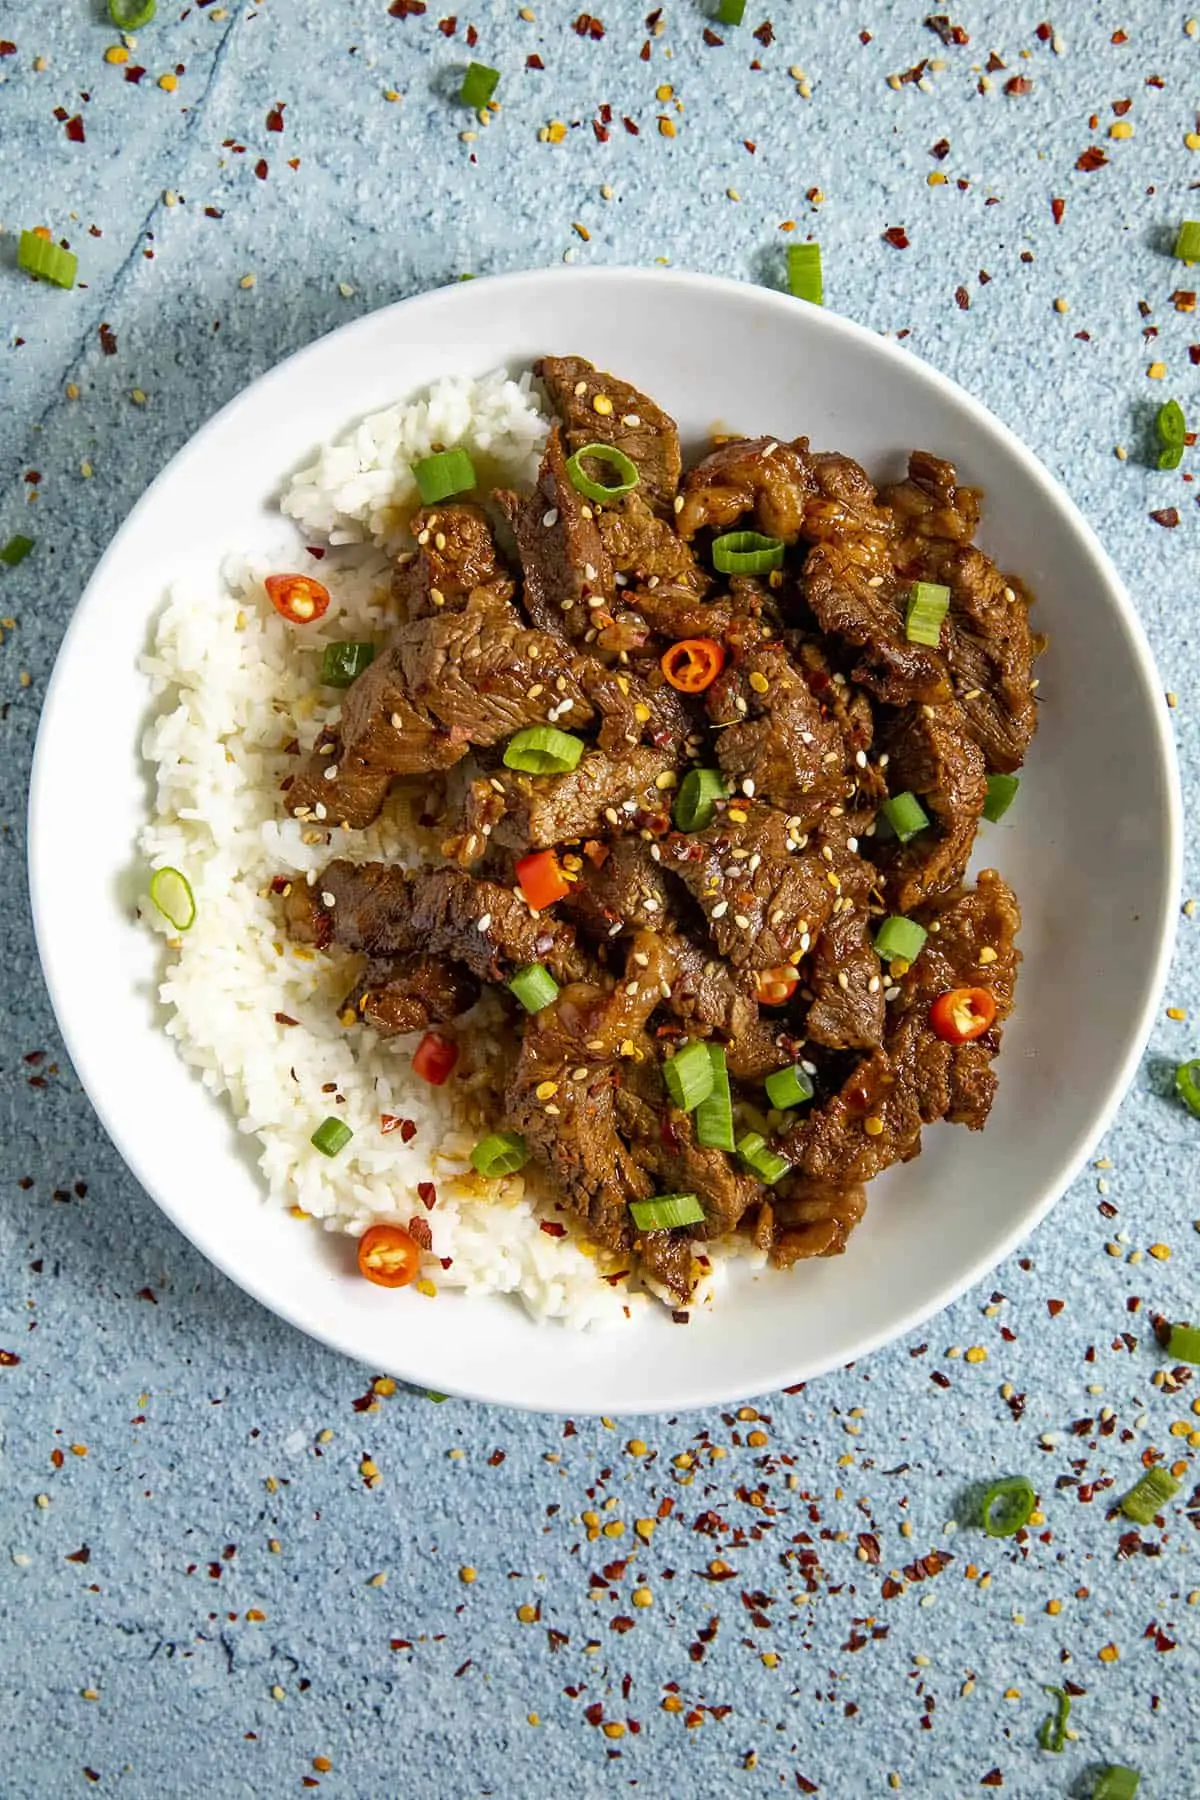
[
  {"x": 855, "y": 594},
  {"x": 713, "y": 1001},
  {"x": 772, "y": 480},
  {"x": 773, "y": 733},
  {"x": 411, "y": 994},
  {"x": 382, "y": 910},
  {"x": 667, "y": 1264},
  {"x": 601, "y": 794},
  {"x": 929, "y": 503},
  {"x": 631, "y": 421},
  {"x": 811, "y": 1218},
  {"x": 620, "y": 886},
  {"x": 562, "y": 553},
  {"x": 843, "y": 973},
  {"x": 931, "y": 754},
  {"x": 455, "y": 553},
  {"x": 915, "y": 1078},
  {"x": 685, "y": 1168},
  {"x": 843, "y": 503},
  {"x": 850, "y": 709},
  {"x": 647, "y": 549}
]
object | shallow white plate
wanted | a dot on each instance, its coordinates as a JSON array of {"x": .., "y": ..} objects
[{"x": 1092, "y": 843}]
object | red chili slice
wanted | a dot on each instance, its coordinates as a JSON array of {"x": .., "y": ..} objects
[{"x": 962, "y": 1015}]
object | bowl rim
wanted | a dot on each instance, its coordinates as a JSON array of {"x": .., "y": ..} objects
[{"x": 83, "y": 1050}]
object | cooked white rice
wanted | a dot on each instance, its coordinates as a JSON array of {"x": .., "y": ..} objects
[{"x": 234, "y": 683}]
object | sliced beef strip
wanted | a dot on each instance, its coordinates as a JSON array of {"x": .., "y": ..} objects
[
  {"x": 712, "y": 1001},
  {"x": 843, "y": 973},
  {"x": 667, "y": 1264},
  {"x": 647, "y": 549},
  {"x": 915, "y": 1078},
  {"x": 932, "y": 754},
  {"x": 563, "y": 558},
  {"x": 382, "y": 910},
  {"x": 811, "y": 1218},
  {"x": 620, "y": 886},
  {"x": 601, "y": 794},
  {"x": 929, "y": 503},
  {"x": 630, "y": 420},
  {"x": 411, "y": 994},
  {"x": 763, "y": 476},
  {"x": 848, "y": 706},
  {"x": 455, "y": 553},
  {"x": 843, "y": 503},
  {"x": 855, "y": 594},
  {"x": 684, "y": 1167},
  {"x": 773, "y": 732}
]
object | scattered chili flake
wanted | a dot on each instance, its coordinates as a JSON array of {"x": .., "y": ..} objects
[
  {"x": 82, "y": 1555},
  {"x": 1194, "y": 353},
  {"x": 7, "y": 48},
  {"x": 711, "y": 39},
  {"x": 260, "y": 168},
  {"x": 553, "y": 1229},
  {"x": 765, "y": 33},
  {"x": 1044, "y": 32},
  {"x": 134, "y": 73},
  {"x": 1119, "y": 37},
  {"x": 962, "y": 297},
  {"x": 586, "y": 25},
  {"x": 449, "y": 26},
  {"x": 993, "y": 1778},
  {"x": 8, "y": 1359},
  {"x": 644, "y": 52},
  {"x": 275, "y": 116},
  {"x": 1167, "y": 516},
  {"x": 750, "y": 145},
  {"x": 418, "y": 1230},
  {"x": 108, "y": 339},
  {"x": 1093, "y": 158},
  {"x": 941, "y": 150},
  {"x": 1017, "y": 85},
  {"x": 897, "y": 237},
  {"x": 74, "y": 130},
  {"x": 534, "y": 61},
  {"x": 427, "y": 1195},
  {"x": 1057, "y": 208},
  {"x": 805, "y": 1785},
  {"x": 213, "y": 212},
  {"x": 629, "y": 125},
  {"x": 406, "y": 9},
  {"x": 949, "y": 33},
  {"x": 994, "y": 62},
  {"x": 1054, "y": 1307}
]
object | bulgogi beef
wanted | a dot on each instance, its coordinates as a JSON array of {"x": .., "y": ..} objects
[{"x": 691, "y": 866}]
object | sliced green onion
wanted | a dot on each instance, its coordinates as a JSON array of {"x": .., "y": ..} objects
[
  {"x": 767, "y": 1164},
  {"x": 788, "y": 1087},
  {"x": 1187, "y": 1085},
  {"x": 503, "y": 1153},
  {"x": 1184, "y": 1343},
  {"x": 714, "y": 1116},
  {"x": 689, "y": 1076},
  {"x": 1171, "y": 457},
  {"x": 331, "y": 1136},
  {"x": 666, "y": 1211},
  {"x": 695, "y": 803},
  {"x": 804, "y": 273},
  {"x": 16, "y": 550},
  {"x": 444, "y": 473},
  {"x": 131, "y": 15},
  {"x": 436, "y": 1398},
  {"x": 1187, "y": 243},
  {"x": 1053, "y": 1734},
  {"x": 627, "y": 472},
  {"x": 479, "y": 84},
  {"x": 731, "y": 12},
  {"x": 1001, "y": 792},
  {"x": 172, "y": 894},
  {"x": 534, "y": 987},
  {"x": 50, "y": 262},
  {"x": 899, "y": 939},
  {"x": 543, "y": 750},
  {"x": 1007, "y": 1506},
  {"x": 1149, "y": 1495},
  {"x": 746, "y": 553},
  {"x": 1116, "y": 1783},
  {"x": 906, "y": 816},
  {"x": 928, "y": 604},
  {"x": 343, "y": 663},
  {"x": 1170, "y": 423}
]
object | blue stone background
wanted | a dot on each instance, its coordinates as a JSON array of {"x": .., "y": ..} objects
[{"x": 201, "y": 1590}]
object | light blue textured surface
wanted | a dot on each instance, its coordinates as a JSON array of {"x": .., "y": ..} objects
[{"x": 209, "y": 1491}]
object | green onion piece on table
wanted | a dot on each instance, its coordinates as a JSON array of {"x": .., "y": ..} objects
[
  {"x": 768, "y": 1165},
  {"x": 1116, "y": 1783},
  {"x": 543, "y": 750},
  {"x": 49, "y": 262},
  {"x": 1053, "y": 1733},
  {"x": 899, "y": 939},
  {"x": 16, "y": 550},
  {"x": 1171, "y": 457},
  {"x": 695, "y": 803},
  {"x": 928, "y": 604},
  {"x": 689, "y": 1076},
  {"x": 626, "y": 472},
  {"x": 131, "y": 15},
  {"x": 789, "y": 1087},
  {"x": 1007, "y": 1506},
  {"x": 1170, "y": 423},
  {"x": 1147, "y": 1497},
  {"x": 172, "y": 894},
  {"x": 1187, "y": 242},
  {"x": 804, "y": 273},
  {"x": 502, "y": 1153},
  {"x": 343, "y": 663},
  {"x": 1187, "y": 1085},
  {"x": 444, "y": 473},
  {"x": 906, "y": 816},
  {"x": 436, "y": 1398},
  {"x": 331, "y": 1136},
  {"x": 1001, "y": 792},
  {"x": 731, "y": 12},
  {"x": 666, "y": 1211},
  {"x": 479, "y": 84},
  {"x": 534, "y": 987},
  {"x": 714, "y": 1116},
  {"x": 1184, "y": 1343},
  {"x": 746, "y": 553}
]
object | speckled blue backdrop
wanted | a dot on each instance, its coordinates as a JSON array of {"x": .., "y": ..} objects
[{"x": 229, "y": 1568}]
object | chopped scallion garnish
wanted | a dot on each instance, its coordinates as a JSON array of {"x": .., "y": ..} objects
[
  {"x": 1171, "y": 457},
  {"x": 502, "y": 1153},
  {"x": 479, "y": 84},
  {"x": 714, "y": 1116},
  {"x": 534, "y": 987},
  {"x": 16, "y": 550},
  {"x": 1117, "y": 1782},
  {"x": 688, "y": 1076},
  {"x": 906, "y": 816},
  {"x": 1053, "y": 1734},
  {"x": 1007, "y": 1506},
  {"x": 1001, "y": 792},
  {"x": 804, "y": 273},
  {"x": 331, "y": 1136},
  {"x": 49, "y": 262},
  {"x": 543, "y": 750},
  {"x": 1170, "y": 423},
  {"x": 1187, "y": 1085},
  {"x": 444, "y": 473},
  {"x": 172, "y": 894},
  {"x": 131, "y": 15},
  {"x": 746, "y": 553},
  {"x": 1148, "y": 1496},
  {"x": 899, "y": 939},
  {"x": 789, "y": 1087},
  {"x": 731, "y": 12},
  {"x": 343, "y": 663},
  {"x": 695, "y": 803},
  {"x": 626, "y": 471},
  {"x": 928, "y": 604},
  {"x": 767, "y": 1164},
  {"x": 1187, "y": 241},
  {"x": 1184, "y": 1343},
  {"x": 666, "y": 1211}
]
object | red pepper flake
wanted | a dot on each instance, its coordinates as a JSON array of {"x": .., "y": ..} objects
[
  {"x": 449, "y": 26},
  {"x": 260, "y": 168},
  {"x": 896, "y": 236},
  {"x": 711, "y": 39},
  {"x": 594, "y": 1713},
  {"x": 1058, "y": 207},
  {"x": 1044, "y": 32},
  {"x": 275, "y": 116},
  {"x": 8, "y": 1359},
  {"x": 644, "y": 52},
  {"x": 621, "y": 1624},
  {"x": 406, "y": 9},
  {"x": 496, "y": 1458},
  {"x": 765, "y": 34},
  {"x": 941, "y": 150},
  {"x": 108, "y": 339},
  {"x": 913, "y": 75},
  {"x": 1166, "y": 515},
  {"x": 868, "y": 1543},
  {"x": 602, "y": 132},
  {"x": 805, "y": 1785},
  {"x": 552, "y": 1229},
  {"x": 90, "y": 1773},
  {"x": 534, "y": 61},
  {"x": 993, "y": 1778},
  {"x": 586, "y": 25},
  {"x": 213, "y": 212},
  {"x": 949, "y": 34},
  {"x": 74, "y": 130},
  {"x": 462, "y": 1667},
  {"x": 962, "y": 297},
  {"x": 938, "y": 1379},
  {"x": 427, "y": 1195},
  {"x": 1093, "y": 158},
  {"x": 6, "y": 48},
  {"x": 891, "y": 1590},
  {"x": 1194, "y": 353},
  {"x": 1054, "y": 1307},
  {"x": 994, "y": 62},
  {"x": 472, "y": 37},
  {"x": 750, "y": 145},
  {"x": 629, "y": 125},
  {"x": 148, "y": 1294},
  {"x": 418, "y": 1230},
  {"x": 1019, "y": 84},
  {"x": 1121, "y": 107},
  {"x": 134, "y": 73},
  {"x": 82, "y": 1555},
  {"x": 864, "y": 37},
  {"x": 401, "y": 1644},
  {"x": 1119, "y": 37}
]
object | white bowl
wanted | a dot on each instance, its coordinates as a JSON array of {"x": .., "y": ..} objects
[{"x": 1092, "y": 844}]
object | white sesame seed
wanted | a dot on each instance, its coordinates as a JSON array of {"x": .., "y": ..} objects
[
  {"x": 589, "y": 573},
  {"x": 632, "y": 420},
  {"x": 311, "y": 877},
  {"x": 483, "y": 922},
  {"x": 328, "y": 899},
  {"x": 720, "y": 909},
  {"x": 677, "y": 503},
  {"x": 861, "y": 759},
  {"x": 892, "y": 993},
  {"x": 748, "y": 787},
  {"x": 550, "y": 518},
  {"x": 873, "y": 985},
  {"x": 331, "y": 772},
  {"x": 843, "y": 981},
  {"x": 319, "y": 810},
  {"x": 397, "y": 722},
  {"x": 741, "y": 921},
  {"x": 876, "y": 581}
]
